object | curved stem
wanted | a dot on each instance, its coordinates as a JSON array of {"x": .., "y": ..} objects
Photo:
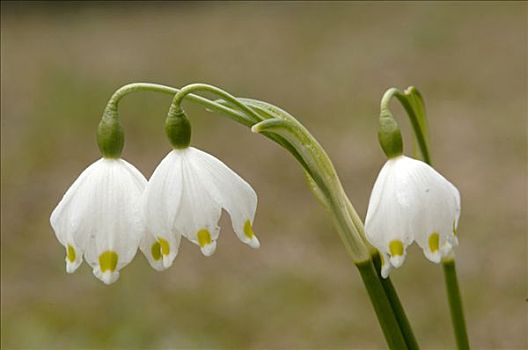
[
  {"x": 211, "y": 105},
  {"x": 187, "y": 90},
  {"x": 417, "y": 126}
]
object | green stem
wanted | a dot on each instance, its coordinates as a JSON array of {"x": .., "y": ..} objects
[
  {"x": 419, "y": 133},
  {"x": 397, "y": 307},
  {"x": 455, "y": 304},
  {"x": 382, "y": 306},
  {"x": 208, "y": 104},
  {"x": 187, "y": 90}
]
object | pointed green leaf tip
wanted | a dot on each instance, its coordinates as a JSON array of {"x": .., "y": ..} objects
[
  {"x": 389, "y": 135},
  {"x": 178, "y": 128},
  {"x": 110, "y": 135}
]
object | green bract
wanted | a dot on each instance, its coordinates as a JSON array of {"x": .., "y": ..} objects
[
  {"x": 110, "y": 135},
  {"x": 389, "y": 135},
  {"x": 178, "y": 128}
]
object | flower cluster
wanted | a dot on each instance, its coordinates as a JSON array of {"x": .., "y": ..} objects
[{"x": 111, "y": 210}]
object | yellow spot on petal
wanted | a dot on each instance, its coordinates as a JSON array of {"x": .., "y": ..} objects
[
  {"x": 204, "y": 237},
  {"x": 108, "y": 261},
  {"x": 434, "y": 242},
  {"x": 164, "y": 246},
  {"x": 155, "y": 250},
  {"x": 70, "y": 253},
  {"x": 454, "y": 229},
  {"x": 248, "y": 230},
  {"x": 396, "y": 248},
  {"x": 382, "y": 259}
]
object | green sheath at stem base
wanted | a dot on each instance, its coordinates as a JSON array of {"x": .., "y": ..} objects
[
  {"x": 382, "y": 306},
  {"x": 397, "y": 307}
]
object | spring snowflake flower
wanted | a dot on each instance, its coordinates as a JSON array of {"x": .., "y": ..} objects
[
  {"x": 99, "y": 217},
  {"x": 410, "y": 202},
  {"x": 185, "y": 196}
]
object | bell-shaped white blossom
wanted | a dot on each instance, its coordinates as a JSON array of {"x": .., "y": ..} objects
[
  {"x": 185, "y": 196},
  {"x": 99, "y": 218},
  {"x": 410, "y": 202}
]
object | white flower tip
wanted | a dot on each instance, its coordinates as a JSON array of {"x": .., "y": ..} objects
[
  {"x": 158, "y": 265},
  {"x": 166, "y": 262},
  {"x": 248, "y": 237},
  {"x": 397, "y": 260},
  {"x": 397, "y": 253},
  {"x": 72, "y": 266},
  {"x": 108, "y": 277},
  {"x": 435, "y": 256},
  {"x": 253, "y": 242},
  {"x": 209, "y": 248},
  {"x": 385, "y": 265}
]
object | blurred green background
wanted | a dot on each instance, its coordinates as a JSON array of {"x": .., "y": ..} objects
[{"x": 326, "y": 63}]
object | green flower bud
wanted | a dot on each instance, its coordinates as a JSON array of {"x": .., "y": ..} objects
[
  {"x": 178, "y": 128},
  {"x": 389, "y": 135},
  {"x": 110, "y": 135}
]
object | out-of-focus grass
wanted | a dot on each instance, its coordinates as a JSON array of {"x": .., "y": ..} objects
[{"x": 327, "y": 64}]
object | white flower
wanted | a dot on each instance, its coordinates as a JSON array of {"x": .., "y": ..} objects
[
  {"x": 185, "y": 196},
  {"x": 410, "y": 202},
  {"x": 99, "y": 217}
]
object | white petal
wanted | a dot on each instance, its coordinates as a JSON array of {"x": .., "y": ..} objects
[
  {"x": 177, "y": 202},
  {"x": 161, "y": 203},
  {"x": 199, "y": 213},
  {"x": 100, "y": 213},
  {"x": 386, "y": 266},
  {"x": 209, "y": 248},
  {"x": 67, "y": 222},
  {"x": 230, "y": 191},
  {"x": 158, "y": 250},
  {"x": 411, "y": 201},
  {"x": 391, "y": 211},
  {"x": 441, "y": 211},
  {"x": 108, "y": 277},
  {"x": 163, "y": 195}
]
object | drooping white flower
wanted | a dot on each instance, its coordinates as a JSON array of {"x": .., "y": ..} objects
[
  {"x": 410, "y": 202},
  {"x": 185, "y": 196},
  {"x": 99, "y": 218}
]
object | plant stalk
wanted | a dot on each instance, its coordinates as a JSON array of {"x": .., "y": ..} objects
[
  {"x": 455, "y": 304},
  {"x": 382, "y": 306}
]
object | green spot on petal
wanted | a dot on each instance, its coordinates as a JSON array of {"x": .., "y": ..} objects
[
  {"x": 155, "y": 250},
  {"x": 70, "y": 253},
  {"x": 248, "y": 230},
  {"x": 164, "y": 246},
  {"x": 204, "y": 237},
  {"x": 396, "y": 248},
  {"x": 108, "y": 261},
  {"x": 434, "y": 242}
]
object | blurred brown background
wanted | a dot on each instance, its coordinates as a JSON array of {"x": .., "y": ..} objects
[{"x": 326, "y": 63}]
